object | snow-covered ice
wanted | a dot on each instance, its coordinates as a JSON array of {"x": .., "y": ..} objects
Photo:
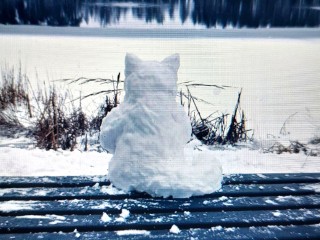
[{"x": 147, "y": 134}]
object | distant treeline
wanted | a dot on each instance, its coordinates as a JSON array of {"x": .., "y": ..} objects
[{"x": 210, "y": 13}]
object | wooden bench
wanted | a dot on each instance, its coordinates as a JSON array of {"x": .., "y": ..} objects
[{"x": 270, "y": 206}]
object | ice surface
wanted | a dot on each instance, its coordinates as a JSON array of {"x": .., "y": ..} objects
[{"x": 147, "y": 134}]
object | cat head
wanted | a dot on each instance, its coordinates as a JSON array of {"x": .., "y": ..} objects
[{"x": 149, "y": 76}]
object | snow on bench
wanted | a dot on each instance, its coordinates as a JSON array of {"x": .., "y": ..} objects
[{"x": 282, "y": 206}]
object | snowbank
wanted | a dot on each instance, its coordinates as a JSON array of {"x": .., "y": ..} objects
[{"x": 37, "y": 162}]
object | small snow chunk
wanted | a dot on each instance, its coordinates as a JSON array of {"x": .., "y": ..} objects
[
  {"x": 159, "y": 219},
  {"x": 276, "y": 214},
  {"x": 186, "y": 204},
  {"x": 223, "y": 198},
  {"x": 56, "y": 219},
  {"x": 286, "y": 198},
  {"x": 262, "y": 176},
  {"x": 186, "y": 213},
  {"x": 96, "y": 186},
  {"x": 105, "y": 217},
  {"x": 132, "y": 232},
  {"x": 231, "y": 229},
  {"x": 205, "y": 202},
  {"x": 41, "y": 192},
  {"x": 217, "y": 228},
  {"x": 125, "y": 213},
  {"x": 289, "y": 188},
  {"x": 227, "y": 204},
  {"x": 275, "y": 227},
  {"x": 315, "y": 187},
  {"x": 84, "y": 190},
  {"x": 55, "y": 222},
  {"x": 261, "y": 187},
  {"x": 106, "y": 204},
  {"x": 174, "y": 229},
  {"x": 111, "y": 190},
  {"x": 77, "y": 234},
  {"x": 271, "y": 202}
]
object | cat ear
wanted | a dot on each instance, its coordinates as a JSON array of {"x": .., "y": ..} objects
[
  {"x": 173, "y": 62},
  {"x": 131, "y": 62}
]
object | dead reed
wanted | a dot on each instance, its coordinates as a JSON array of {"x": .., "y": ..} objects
[{"x": 216, "y": 129}]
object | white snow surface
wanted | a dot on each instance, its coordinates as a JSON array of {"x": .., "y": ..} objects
[
  {"x": 17, "y": 161},
  {"x": 147, "y": 134}
]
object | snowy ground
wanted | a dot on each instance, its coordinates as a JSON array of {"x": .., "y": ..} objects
[{"x": 18, "y": 157}]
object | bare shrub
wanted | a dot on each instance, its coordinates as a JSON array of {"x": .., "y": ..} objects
[
  {"x": 13, "y": 93},
  {"x": 216, "y": 130},
  {"x": 57, "y": 127},
  {"x": 293, "y": 147},
  {"x": 111, "y": 93}
]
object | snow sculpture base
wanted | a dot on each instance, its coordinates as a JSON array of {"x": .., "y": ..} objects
[{"x": 147, "y": 134}]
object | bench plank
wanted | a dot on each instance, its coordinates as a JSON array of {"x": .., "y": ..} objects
[
  {"x": 273, "y": 178},
  {"x": 163, "y": 221},
  {"x": 78, "y": 181},
  {"x": 109, "y": 192},
  {"x": 85, "y": 207},
  {"x": 300, "y": 232},
  {"x": 63, "y": 181}
]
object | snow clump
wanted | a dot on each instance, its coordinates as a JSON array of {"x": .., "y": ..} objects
[{"x": 174, "y": 229}]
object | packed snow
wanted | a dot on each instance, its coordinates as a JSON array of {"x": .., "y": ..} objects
[
  {"x": 147, "y": 134},
  {"x": 105, "y": 217},
  {"x": 174, "y": 229},
  {"x": 17, "y": 161}
]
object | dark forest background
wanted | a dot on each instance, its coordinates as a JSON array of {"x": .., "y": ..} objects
[{"x": 208, "y": 13}]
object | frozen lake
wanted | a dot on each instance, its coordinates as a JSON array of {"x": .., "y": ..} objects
[{"x": 278, "y": 70}]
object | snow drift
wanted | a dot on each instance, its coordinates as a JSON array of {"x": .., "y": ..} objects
[{"x": 147, "y": 134}]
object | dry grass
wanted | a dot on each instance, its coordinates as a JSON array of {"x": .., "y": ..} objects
[
  {"x": 13, "y": 93},
  {"x": 57, "y": 126},
  {"x": 222, "y": 129}
]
